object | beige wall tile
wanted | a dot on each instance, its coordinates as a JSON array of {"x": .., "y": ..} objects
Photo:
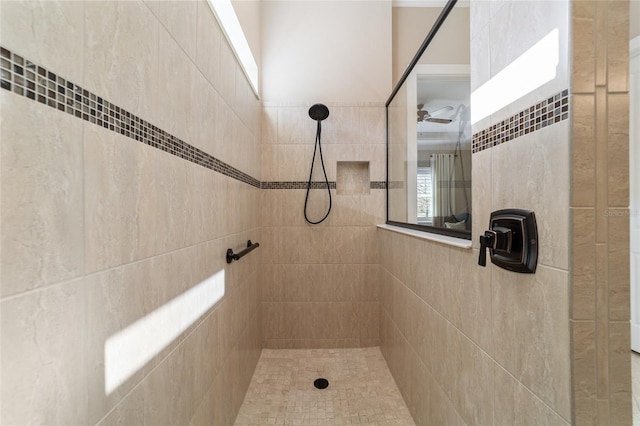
[
  {"x": 601, "y": 44},
  {"x": 584, "y": 54},
  {"x": 369, "y": 320},
  {"x": 116, "y": 299},
  {"x": 377, "y": 157},
  {"x": 205, "y": 413},
  {"x": 373, "y": 208},
  {"x": 533, "y": 310},
  {"x": 285, "y": 320},
  {"x": 269, "y": 124},
  {"x": 338, "y": 282},
  {"x": 49, "y": 33},
  {"x": 601, "y": 165},
  {"x": 166, "y": 392},
  {"x": 200, "y": 122},
  {"x": 227, "y": 72},
  {"x": 372, "y": 125},
  {"x": 415, "y": 325},
  {"x": 342, "y": 126},
  {"x": 345, "y": 209},
  {"x": 603, "y": 412},
  {"x": 120, "y": 201},
  {"x": 131, "y": 84},
  {"x": 399, "y": 313},
  {"x": 480, "y": 73},
  {"x": 482, "y": 194},
  {"x": 177, "y": 99},
  {"x": 584, "y": 263},
  {"x": 179, "y": 18},
  {"x": 617, "y": 46},
  {"x": 296, "y": 127},
  {"x": 618, "y": 150},
  {"x": 120, "y": 297},
  {"x": 284, "y": 207},
  {"x": 207, "y": 44},
  {"x": 618, "y": 264},
  {"x": 335, "y": 320},
  {"x": 583, "y": 335},
  {"x": 516, "y": 405},
  {"x": 174, "y": 189},
  {"x": 527, "y": 23},
  {"x": 473, "y": 296},
  {"x": 619, "y": 377},
  {"x": 42, "y": 196},
  {"x": 583, "y": 176},
  {"x": 468, "y": 378},
  {"x": 148, "y": 214},
  {"x": 432, "y": 274},
  {"x": 43, "y": 374},
  {"x": 541, "y": 185},
  {"x": 440, "y": 410},
  {"x": 602, "y": 319}
]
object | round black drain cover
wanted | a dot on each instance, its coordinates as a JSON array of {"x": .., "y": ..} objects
[{"x": 321, "y": 383}]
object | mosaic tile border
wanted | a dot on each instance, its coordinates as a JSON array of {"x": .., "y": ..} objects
[
  {"x": 396, "y": 184},
  {"x": 314, "y": 185},
  {"x": 543, "y": 114},
  {"x": 25, "y": 78},
  {"x": 296, "y": 185}
]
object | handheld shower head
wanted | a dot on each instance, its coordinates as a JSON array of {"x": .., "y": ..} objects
[{"x": 318, "y": 112}]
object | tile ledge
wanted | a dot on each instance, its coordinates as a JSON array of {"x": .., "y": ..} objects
[{"x": 443, "y": 239}]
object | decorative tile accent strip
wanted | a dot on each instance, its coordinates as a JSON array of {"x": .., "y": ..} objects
[
  {"x": 296, "y": 185},
  {"x": 24, "y": 78},
  {"x": 314, "y": 185},
  {"x": 396, "y": 184},
  {"x": 536, "y": 117}
]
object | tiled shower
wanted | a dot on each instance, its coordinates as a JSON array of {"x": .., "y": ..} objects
[{"x": 134, "y": 153}]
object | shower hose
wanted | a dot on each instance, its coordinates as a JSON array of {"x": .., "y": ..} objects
[{"x": 317, "y": 148}]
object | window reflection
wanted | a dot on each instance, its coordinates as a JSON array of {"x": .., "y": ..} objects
[{"x": 429, "y": 135}]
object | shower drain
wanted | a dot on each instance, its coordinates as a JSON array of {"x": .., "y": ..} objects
[{"x": 321, "y": 383}]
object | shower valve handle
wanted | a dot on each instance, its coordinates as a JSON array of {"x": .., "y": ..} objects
[
  {"x": 486, "y": 241},
  {"x": 499, "y": 238}
]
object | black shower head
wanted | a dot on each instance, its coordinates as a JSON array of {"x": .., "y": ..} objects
[{"x": 318, "y": 112}]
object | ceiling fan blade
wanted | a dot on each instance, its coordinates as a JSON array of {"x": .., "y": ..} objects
[
  {"x": 439, "y": 120},
  {"x": 443, "y": 109}
]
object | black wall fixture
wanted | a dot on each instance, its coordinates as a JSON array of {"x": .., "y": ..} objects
[
  {"x": 231, "y": 256},
  {"x": 318, "y": 112},
  {"x": 512, "y": 240}
]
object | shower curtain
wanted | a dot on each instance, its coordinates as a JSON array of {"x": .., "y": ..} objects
[{"x": 443, "y": 166}]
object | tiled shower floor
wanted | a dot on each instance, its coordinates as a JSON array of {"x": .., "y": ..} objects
[{"x": 361, "y": 390}]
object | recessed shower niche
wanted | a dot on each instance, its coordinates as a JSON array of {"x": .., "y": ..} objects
[{"x": 353, "y": 178}]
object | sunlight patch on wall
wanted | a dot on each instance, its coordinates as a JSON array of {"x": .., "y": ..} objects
[
  {"x": 228, "y": 20},
  {"x": 531, "y": 70},
  {"x": 131, "y": 348}
]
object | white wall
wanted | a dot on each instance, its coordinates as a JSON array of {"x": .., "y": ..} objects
[
  {"x": 248, "y": 12},
  {"x": 326, "y": 51},
  {"x": 412, "y": 24}
]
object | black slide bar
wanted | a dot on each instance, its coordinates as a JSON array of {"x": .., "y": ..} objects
[{"x": 231, "y": 256}]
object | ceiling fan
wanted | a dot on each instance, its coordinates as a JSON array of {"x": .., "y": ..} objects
[{"x": 428, "y": 116}]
